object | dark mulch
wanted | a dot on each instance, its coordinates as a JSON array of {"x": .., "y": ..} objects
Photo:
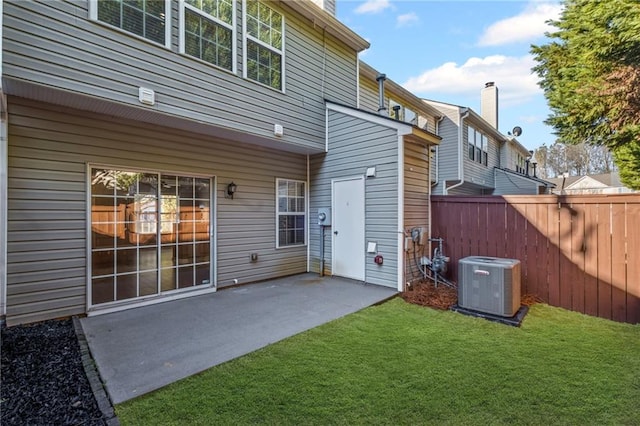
[
  {"x": 43, "y": 379},
  {"x": 425, "y": 293}
]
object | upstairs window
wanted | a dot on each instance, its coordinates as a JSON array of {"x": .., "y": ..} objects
[
  {"x": 478, "y": 146},
  {"x": 145, "y": 18},
  {"x": 208, "y": 31},
  {"x": 264, "y": 44}
]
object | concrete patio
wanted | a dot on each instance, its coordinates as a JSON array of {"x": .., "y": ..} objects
[{"x": 143, "y": 349}]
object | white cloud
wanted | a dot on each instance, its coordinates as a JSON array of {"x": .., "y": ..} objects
[
  {"x": 407, "y": 19},
  {"x": 373, "y": 6},
  {"x": 531, "y": 119},
  {"x": 512, "y": 75},
  {"x": 527, "y": 26}
]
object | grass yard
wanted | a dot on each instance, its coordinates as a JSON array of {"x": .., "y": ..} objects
[{"x": 399, "y": 363}]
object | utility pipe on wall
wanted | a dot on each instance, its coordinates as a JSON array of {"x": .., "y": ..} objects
[
  {"x": 463, "y": 116},
  {"x": 382, "y": 109}
]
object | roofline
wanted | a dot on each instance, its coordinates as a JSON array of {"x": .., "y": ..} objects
[
  {"x": 405, "y": 129},
  {"x": 370, "y": 72},
  {"x": 328, "y": 22},
  {"x": 535, "y": 179}
]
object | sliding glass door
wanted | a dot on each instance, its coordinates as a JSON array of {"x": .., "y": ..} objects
[{"x": 150, "y": 234}]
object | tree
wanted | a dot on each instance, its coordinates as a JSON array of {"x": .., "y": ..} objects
[
  {"x": 577, "y": 160},
  {"x": 590, "y": 74}
]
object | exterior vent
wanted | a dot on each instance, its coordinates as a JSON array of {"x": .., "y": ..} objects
[{"x": 489, "y": 284}]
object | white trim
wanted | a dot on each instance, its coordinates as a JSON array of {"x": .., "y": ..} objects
[
  {"x": 358, "y": 80},
  {"x": 326, "y": 130},
  {"x": 246, "y": 36},
  {"x": 4, "y": 203},
  {"x": 400, "y": 248},
  {"x": 182, "y": 6},
  {"x": 118, "y": 305},
  {"x": 306, "y": 213},
  {"x": 87, "y": 214},
  {"x": 308, "y": 218},
  {"x": 168, "y": 24},
  {"x": 401, "y": 127}
]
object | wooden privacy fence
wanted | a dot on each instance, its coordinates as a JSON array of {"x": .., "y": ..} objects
[{"x": 579, "y": 252}]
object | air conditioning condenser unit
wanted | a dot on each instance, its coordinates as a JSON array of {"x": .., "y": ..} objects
[{"x": 489, "y": 284}]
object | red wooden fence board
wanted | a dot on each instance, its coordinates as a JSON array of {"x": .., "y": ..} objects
[
  {"x": 577, "y": 275},
  {"x": 633, "y": 263},
  {"x": 604, "y": 260},
  {"x": 565, "y": 234},
  {"x": 618, "y": 270},
  {"x": 553, "y": 254},
  {"x": 591, "y": 260}
]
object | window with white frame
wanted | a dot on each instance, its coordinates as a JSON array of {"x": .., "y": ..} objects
[
  {"x": 478, "y": 144},
  {"x": 208, "y": 31},
  {"x": 264, "y": 44},
  {"x": 144, "y": 18},
  {"x": 290, "y": 212}
]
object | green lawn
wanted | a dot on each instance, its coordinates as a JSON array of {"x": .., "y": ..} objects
[{"x": 403, "y": 364}]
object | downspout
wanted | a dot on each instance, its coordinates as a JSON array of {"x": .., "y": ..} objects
[
  {"x": 382, "y": 110},
  {"x": 463, "y": 116},
  {"x": 437, "y": 154}
]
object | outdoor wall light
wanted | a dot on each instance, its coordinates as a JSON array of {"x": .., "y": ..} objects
[{"x": 231, "y": 189}]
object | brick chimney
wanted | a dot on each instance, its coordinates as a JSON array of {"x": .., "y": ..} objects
[{"x": 489, "y": 103}]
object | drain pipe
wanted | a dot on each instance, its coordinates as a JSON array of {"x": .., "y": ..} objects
[
  {"x": 437, "y": 153},
  {"x": 464, "y": 113},
  {"x": 322, "y": 250},
  {"x": 382, "y": 110}
]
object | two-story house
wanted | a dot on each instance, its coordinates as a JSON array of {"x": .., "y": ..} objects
[
  {"x": 156, "y": 150},
  {"x": 475, "y": 158}
]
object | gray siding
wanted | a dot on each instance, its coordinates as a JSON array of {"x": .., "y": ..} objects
[
  {"x": 475, "y": 172},
  {"x": 330, "y": 6},
  {"x": 512, "y": 184},
  {"x": 448, "y": 150},
  {"x": 354, "y": 145},
  {"x": 49, "y": 148},
  {"x": 369, "y": 95},
  {"x": 54, "y": 44},
  {"x": 416, "y": 202}
]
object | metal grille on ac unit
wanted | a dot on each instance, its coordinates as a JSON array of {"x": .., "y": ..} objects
[{"x": 489, "y": 284}]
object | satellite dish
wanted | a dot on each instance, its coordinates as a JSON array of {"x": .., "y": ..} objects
[{"x": 517, "y": 131}]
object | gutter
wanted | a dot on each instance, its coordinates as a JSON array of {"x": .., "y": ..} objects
[{"x": 464, "y": 113}]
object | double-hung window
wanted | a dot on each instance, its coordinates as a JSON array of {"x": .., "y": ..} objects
[
  {"x": 208, "y": 31},
  {"x": 263, "y": 44},
  {"x": 290, "y": 212},
  {"x": 145, "y": 18}
]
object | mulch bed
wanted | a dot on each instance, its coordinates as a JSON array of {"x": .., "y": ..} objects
[
  {"x": 43, "y": 379},
  {"x": 425, "y": 293}
]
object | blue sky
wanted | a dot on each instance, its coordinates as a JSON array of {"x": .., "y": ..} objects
[{"x": 447, "y": 50}]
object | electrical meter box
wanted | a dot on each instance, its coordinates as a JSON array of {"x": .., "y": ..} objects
[{"x": 324, "y": 216}]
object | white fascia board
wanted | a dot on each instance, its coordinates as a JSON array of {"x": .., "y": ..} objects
[{"x": 402, "y": 128}]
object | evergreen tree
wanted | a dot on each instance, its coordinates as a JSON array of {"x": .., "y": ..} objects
[{"x": 590, "y": 74}]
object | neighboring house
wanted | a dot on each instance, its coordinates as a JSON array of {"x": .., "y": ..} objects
[
  {"x": 605, "y": 183},
  {"x": 156, "y": 150},
  {"x": 474, "y": 158}
]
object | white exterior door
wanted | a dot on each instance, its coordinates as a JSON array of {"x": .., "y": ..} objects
[{"x": 348, "y": 228}]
